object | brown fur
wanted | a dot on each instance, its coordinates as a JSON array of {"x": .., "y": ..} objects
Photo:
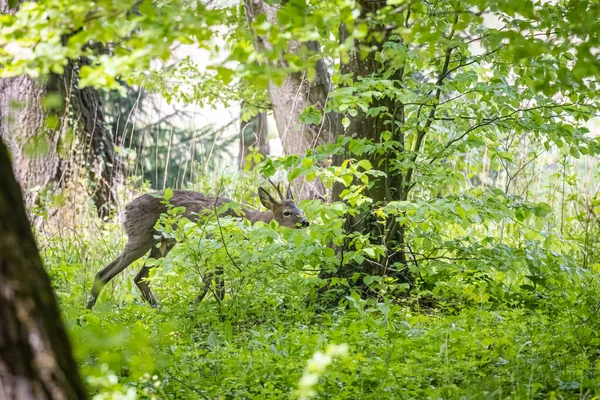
[{"x": 143, "y": 212}]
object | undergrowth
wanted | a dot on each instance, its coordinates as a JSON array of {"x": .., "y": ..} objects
[{"x": 519, "y": 321}]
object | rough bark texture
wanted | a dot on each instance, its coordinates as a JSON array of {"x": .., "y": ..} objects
[
  {"x": 293, "y": 96},
  {"x": 384, "y": 189},
  {"x": 99, "y": 147},
  {"x": 42, "y": 158},
  {"x": 35, "y": 355},
  {"x": 253, "y": 133},
  {"x": 33, "y": 147}
]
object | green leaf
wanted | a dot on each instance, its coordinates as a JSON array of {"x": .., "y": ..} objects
[
  {"x": 307, "y": 162},
  {"x": 365, "y": 164},
  {"x": 168, "y": 194},
  {"x": 213, "y": 341},
  {"x": 542, "y": 209},
  {"x": 370, "y": 252},
  {"x": 574, "y": 152},
  {"x": 53, "y": 101},
  {"x": 225, "y": 74},
  {"x": 310, "y": 116},
  {"x": 462, "y": 213}
]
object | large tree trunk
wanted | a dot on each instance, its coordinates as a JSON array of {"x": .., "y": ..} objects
[
  {"x": 293, "y": 96},
  {"x": 392, "y": 186},
  {"x": 37, "y": 136},
  {"x": 253, "y": 133},
  {"x": 33, "y": 146},
  {"x": 36, "y": 125},
  {"x": 35, "y": 355}
]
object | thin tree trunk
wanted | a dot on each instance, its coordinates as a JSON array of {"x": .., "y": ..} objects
[
  {"x": 293, "y": 96},
  {"x": 35, "y": 355}
]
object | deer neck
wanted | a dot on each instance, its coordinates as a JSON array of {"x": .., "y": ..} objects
[{"x": 255, "y": 215}]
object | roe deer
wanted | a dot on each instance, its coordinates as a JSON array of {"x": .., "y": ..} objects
[{"x": 143, "y": 212}]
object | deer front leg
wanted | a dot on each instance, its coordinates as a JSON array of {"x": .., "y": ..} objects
[
  {"x": 142, "y": 276},
  {"x": 142, "y": 284},
  {"x": 132, "y": 252}
]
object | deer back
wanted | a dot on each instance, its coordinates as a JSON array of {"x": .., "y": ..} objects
[{"x": 143, "y": 212}]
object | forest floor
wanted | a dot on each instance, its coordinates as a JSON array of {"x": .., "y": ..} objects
[{"x": 275, "y": 333}]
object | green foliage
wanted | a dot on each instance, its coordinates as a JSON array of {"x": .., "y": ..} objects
[
  {"x": 462, "y": 260},
  {"x": 41, "y": 37},
  {"x": 490, "y": 317}
]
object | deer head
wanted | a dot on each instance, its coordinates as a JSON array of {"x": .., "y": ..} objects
[{"x": 285, "y": 212}]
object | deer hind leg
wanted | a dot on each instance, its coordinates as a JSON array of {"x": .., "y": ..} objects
[
  {"x": 132, "y": 252},
  {"x": 142, "y": 276},
  {"x": 219, "y": 283}
]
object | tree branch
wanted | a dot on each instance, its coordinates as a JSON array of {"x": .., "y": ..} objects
[
  {"x": 430, "y": 118},
  {"x": 489, "y": 121}
]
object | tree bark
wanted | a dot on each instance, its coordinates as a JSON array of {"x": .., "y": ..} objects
[
  {"x": 36, "y": 131},
  {"x": 293, "y": 96},
  {"x": 33, "y": 146},
  {"x": 35, "y": 355},
  {"x": 42, "y": 156},
  {"x": 100, "y": 155},
  {"x": 392, "y": 186},
  {"x": 253, "y": 133}
]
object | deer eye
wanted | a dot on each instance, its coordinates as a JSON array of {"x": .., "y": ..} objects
[{"x": 286, "y": 214}]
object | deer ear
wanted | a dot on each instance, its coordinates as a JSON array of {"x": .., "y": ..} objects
[
  {"x": 288, "y": 193},
  {"x": 266, "y": 199}
]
